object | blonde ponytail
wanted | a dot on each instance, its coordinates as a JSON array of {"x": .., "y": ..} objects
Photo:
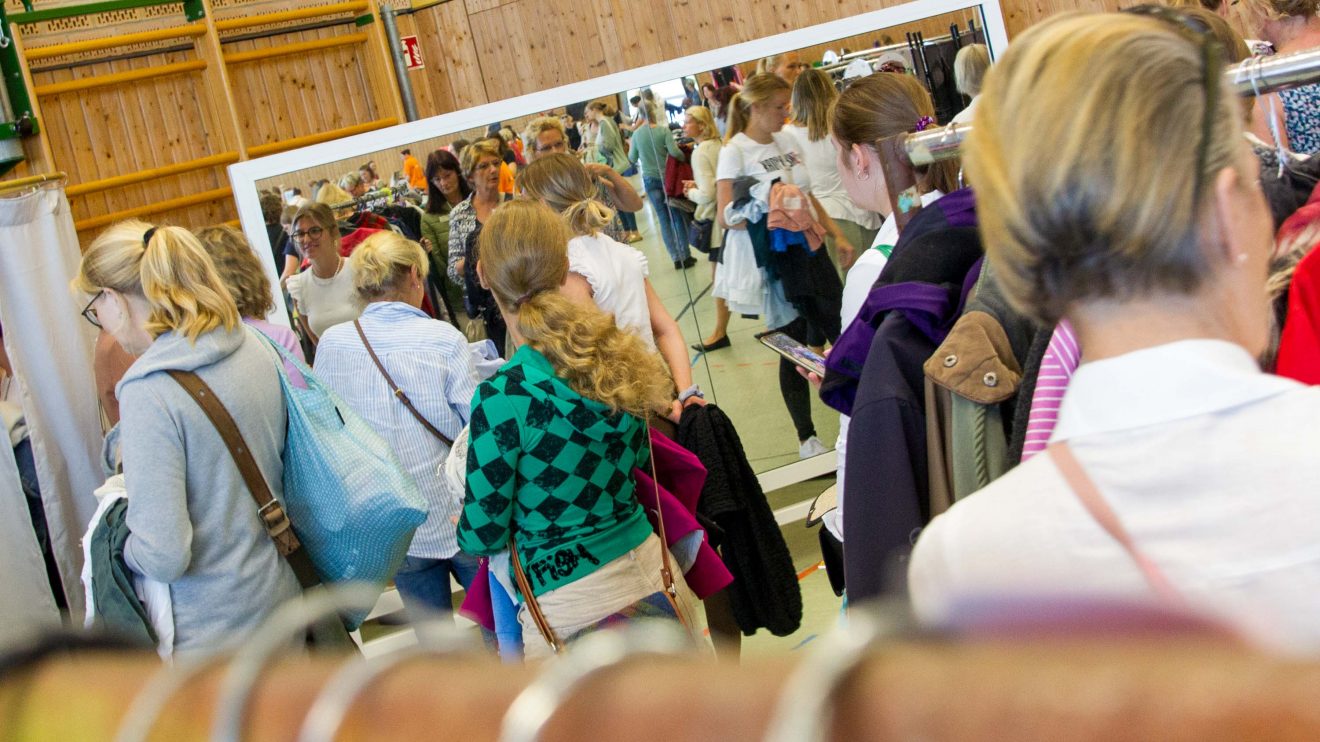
[
  {"x": 524, "y": 260},
  {"x": 182, "y": 287},
  {"x": 758, "y": 89},
  {"x": 169, "y": 268},
  {"x": 564, "y": 185}
]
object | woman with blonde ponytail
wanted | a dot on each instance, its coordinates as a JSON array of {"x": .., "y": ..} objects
[
  {"x": 607, "y": 273},
  {"x": 555, "y": 436},
  {"x": 192, "y": 519}
]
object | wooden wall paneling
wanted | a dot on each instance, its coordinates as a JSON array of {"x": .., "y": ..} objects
[
  {"x": 457, "y": 47},
  {"x": 611, "y": 36},
  {"x": 325, "y": 112},
  {"x": 294, "y": 84},
  {"x": 436, "y": 78},
  {"x": 147, "y": 147},
  {"x": 552, "y": 28},
  {"x": 493, "y": 53},
  {"x": 219, "y": 90},
  {"x": 72, "y": 149},
  {"x": 379, "y": 66},
  {"x": 479, "y": 6},
  {"x": 250, "y": 89},
  {"x": 278, "y": 95},
  {"x": 359, "y": 96}
]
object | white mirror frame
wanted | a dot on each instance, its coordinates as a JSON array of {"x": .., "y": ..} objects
[{"x": 243, "y": 176}]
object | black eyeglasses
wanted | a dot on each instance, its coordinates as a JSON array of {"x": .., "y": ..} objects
[
  {"x": 314, "y": 233},
  {"x": 1212, "y": 55},
  {"x": 89, "y": 313}
]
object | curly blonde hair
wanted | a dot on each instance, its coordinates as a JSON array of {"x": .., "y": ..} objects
[
  {"x": 239, "y": 268},
  {"x": 564, "y": 184},
  {"x": 524, "y": 261}
]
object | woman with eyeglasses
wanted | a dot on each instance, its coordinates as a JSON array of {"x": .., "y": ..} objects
[
  {"x": 1178, "y": 472},
  {"x": 193, "y": 524},
  {"x": 323, "y": 293},
  {"x": 481, "y": 166}
]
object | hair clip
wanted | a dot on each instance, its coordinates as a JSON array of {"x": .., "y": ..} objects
[
  {"x": 517, "y": 304},
  {"x": 146, "y": 236},
  {"x": 924, "y": 123}
]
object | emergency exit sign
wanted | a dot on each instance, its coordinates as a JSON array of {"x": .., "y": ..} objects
[{"x": 412, "y": 53}]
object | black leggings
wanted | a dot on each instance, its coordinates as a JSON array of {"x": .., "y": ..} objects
[{"x": 818, "y": 323}]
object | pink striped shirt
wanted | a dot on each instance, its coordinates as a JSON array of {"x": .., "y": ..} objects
[{"x": 1056, "y": 371}]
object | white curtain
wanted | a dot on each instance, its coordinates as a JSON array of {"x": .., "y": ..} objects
[{"x": 50, "y": 348}]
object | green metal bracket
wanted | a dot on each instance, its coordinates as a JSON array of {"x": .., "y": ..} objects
[
  {"x": 73, "y": 11},
  {"x": 364, "y": 20},
  {"x": 194, "y": 10},
  {"x": 25, "y": 122}
]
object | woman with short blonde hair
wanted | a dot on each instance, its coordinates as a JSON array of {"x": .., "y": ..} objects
[
  {"x": 1140, "y": 219},
  {"x": 578, "y": 387},
  {"x": 428, "y": 361},
  {"x": 247, "y": 282},
  {"x": 193, "y": 522},
  {"x": 607, "y": 273}
]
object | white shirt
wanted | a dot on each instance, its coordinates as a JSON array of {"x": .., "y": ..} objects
[
  {"x": 826, "y": 185},
  {"x": 780, "y": 158},
  {"x": 325, "y": 302},
  {"x": 617, "y": 274},
  {"x": 1210, "y": 465}
]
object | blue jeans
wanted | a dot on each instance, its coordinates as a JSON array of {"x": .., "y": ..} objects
[
  {"x": 670, "y": 229},
  {"x": 628, "y": 220},
  {"x": 424, "y": 583},
  {"x": 508, "y": 632}
]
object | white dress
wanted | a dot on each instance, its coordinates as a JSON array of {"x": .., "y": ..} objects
[{"x": 617, "y": 275}]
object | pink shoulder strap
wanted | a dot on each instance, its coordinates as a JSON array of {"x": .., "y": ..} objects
[{"x": 1084, "y": 487}]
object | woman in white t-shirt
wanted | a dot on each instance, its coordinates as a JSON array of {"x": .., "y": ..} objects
[
  {"x": 606, "y": 272},
  {"x": 813, "y": 94},
  {"x": 758, "y": 152},
  {"x": 323, "y": 294}
]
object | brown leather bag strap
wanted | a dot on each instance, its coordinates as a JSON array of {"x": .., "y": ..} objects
[
  {"x": 666, "y": 572},
  {"x": 529, "y": 598},
  {"x": 398, "y": 393},
  {"x": 273, "y": 518}
]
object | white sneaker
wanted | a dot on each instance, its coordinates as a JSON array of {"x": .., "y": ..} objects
[{"x": 811, "y": 447}]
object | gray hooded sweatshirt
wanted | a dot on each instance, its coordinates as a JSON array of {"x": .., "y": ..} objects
[{"x": 194, "y": 524}]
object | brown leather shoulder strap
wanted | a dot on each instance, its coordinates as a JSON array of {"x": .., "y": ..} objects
[
  {"x": 398, "y": 393},
  {"x": 271, "y": 512},
  {"x": 1087, "y": 492},
  {"x": 529, "y": 599}
]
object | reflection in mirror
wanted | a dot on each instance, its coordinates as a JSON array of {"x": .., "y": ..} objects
[{"x": 660, "y": 167}]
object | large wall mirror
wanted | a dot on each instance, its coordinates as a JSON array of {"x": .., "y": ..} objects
[{"x": 918, "y": 38}]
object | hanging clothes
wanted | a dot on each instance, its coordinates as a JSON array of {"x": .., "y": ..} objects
[
  {"x": 765, "y": 591},
  {"x": 887, "y": 485},
  {"x": 1299, "y": 341},
  {"x": 50, "y": 349}
]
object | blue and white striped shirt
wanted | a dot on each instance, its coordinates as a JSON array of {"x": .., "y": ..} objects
[{"x": 430, "y": 361}]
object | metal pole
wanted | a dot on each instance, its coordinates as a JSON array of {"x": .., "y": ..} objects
[
  {"x": 400, "y": 66},
  {"x": 1270, "y": 75}
]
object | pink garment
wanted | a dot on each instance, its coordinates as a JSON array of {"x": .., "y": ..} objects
[
  {"x": 682, "y": 478},
  {"x": 1056, "y": 372},
  {"x": 791, "y": 209},
  {"x": 476, "y": 606},
  {"x": 285, "y": 337}
]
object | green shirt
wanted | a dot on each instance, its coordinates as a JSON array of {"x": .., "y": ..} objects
[
  {"x": 650, "y": 144},
  {"x": 556, "y": 470}
]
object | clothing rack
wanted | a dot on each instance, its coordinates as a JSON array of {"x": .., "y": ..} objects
[
  {"x": 1258, "y": 75},
  {"x": 886, "y": 689},
  {"x": 19, "y": 184},
  {"x": 876, "y": 52},
  {"x": 376, "y": 195}
]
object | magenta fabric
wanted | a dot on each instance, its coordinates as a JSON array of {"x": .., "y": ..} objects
[
  {"x": 476, "y": 598},
  {"x": 681, "y": 478},
  {"x": 1056, "y": 371}
]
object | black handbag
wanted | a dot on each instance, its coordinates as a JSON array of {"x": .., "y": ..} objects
[{"x": 700, "y": 232}]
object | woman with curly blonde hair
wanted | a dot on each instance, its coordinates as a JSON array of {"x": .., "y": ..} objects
[
  {"x": 241, "y": 271},
  {"x": 555, "y": 435}
]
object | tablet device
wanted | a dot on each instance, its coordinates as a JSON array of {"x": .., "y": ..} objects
[{"x": 795, "y": 352}]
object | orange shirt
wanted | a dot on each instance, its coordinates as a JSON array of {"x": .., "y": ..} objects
[
  {"x": 506, "y": 178},
  {"x": 412, "y": 169}
]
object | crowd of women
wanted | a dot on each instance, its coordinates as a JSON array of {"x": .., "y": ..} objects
[{"x": 1128, "y": 231}]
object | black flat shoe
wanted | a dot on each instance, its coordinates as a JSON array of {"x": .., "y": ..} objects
[
  {"x": 690, "y": 262},
  {"x": 723, "y": 342}
]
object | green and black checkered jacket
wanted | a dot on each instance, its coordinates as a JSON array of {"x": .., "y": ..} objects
[{"x": 555, "y": 467}]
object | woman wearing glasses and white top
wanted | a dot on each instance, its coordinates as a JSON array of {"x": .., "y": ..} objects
[{"x": 323, "y": 294}]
